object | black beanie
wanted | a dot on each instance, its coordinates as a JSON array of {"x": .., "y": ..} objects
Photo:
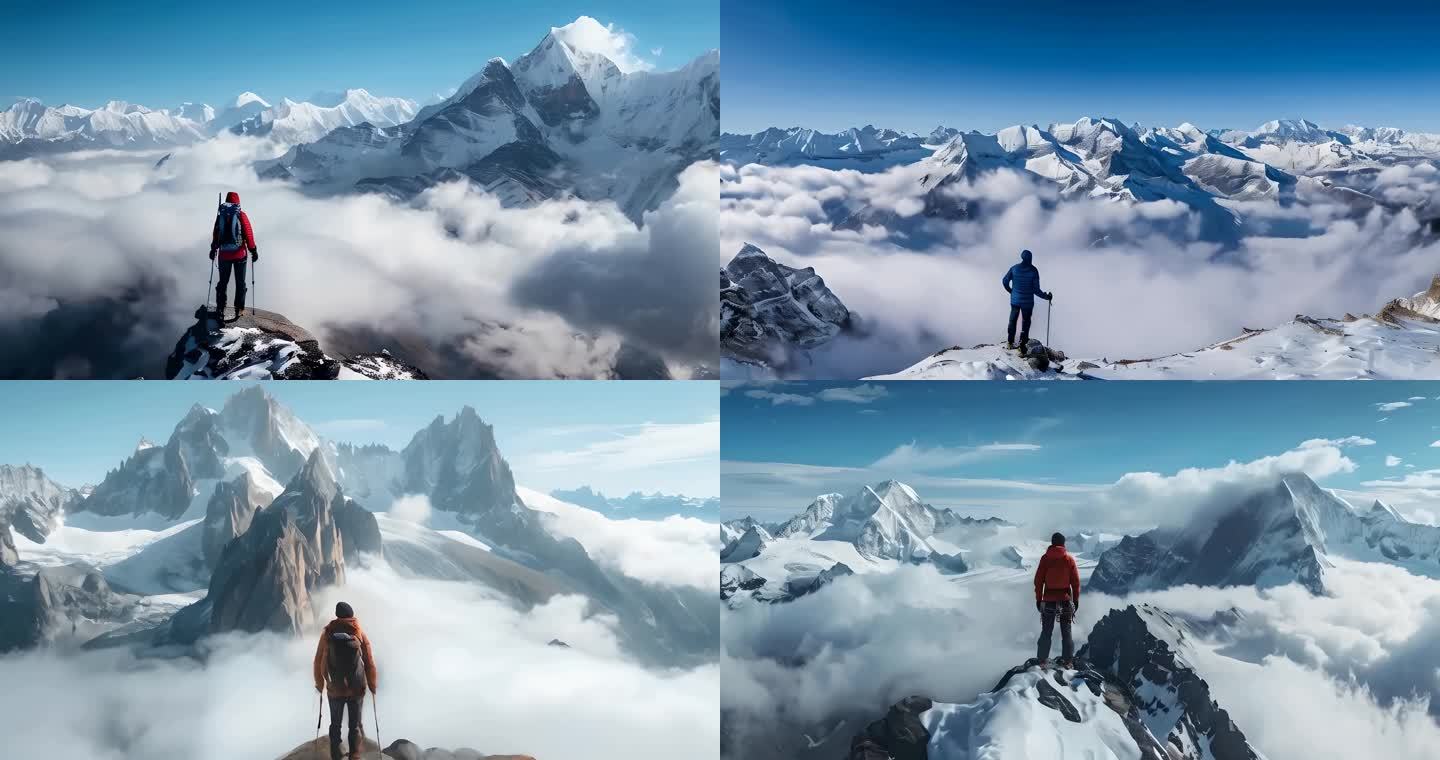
[
  {"x": 342, "y": 610},
  {"x": 1057, "y": 539}
]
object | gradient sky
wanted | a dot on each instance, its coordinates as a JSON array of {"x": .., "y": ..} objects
[
  {"x": 615, "y": 436},
  {"x": 160, "y": 53},
  {"x": 1057, "y": 439},
  {"x": 986, "y": 65}
]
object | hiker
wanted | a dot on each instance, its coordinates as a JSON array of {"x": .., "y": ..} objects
[
  {"x": 232, "y": 237},
  {"x": 344, "y": 668},
  {"x": 1057, "y": 594},
  {"x": 1022, "y": 282}
]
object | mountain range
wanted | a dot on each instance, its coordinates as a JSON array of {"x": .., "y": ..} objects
[
  {"x": 1284, "y": 160},
  {"x": 29, "y": 127},
  {"x": 561, "y": 120},
  {"x": 641, "y": 506},
  {"x": 244, "y": 512},
  {"x": 873, "y": 529}
]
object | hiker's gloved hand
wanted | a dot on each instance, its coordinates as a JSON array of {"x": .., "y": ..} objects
[
  {"x": 1050, "y": 296},
  {"x": 1040, "y": 608},
  {"x": 255, "y": 255},
  {"x": 320, "y": 687},
  {"x": 1075, "y": 606},
  {"x": 212, "y": 255}
]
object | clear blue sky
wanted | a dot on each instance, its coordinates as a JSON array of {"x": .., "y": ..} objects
[
  {"x": 554, "y": 434},
  {"x": 987, "y": 65},
  {"x": 160, "y": 53},
  {"x": 1082, "y": 434}
]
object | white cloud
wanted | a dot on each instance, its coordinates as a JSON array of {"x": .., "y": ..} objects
[
  {"x": 585, "y": 33},
  {"x": 676, "y": 551},
  {"x": 860, "y": 394},
  {"x": 647, "y": 445},
  {"x": 781, "y": 399},
  {"x": 1391, "y": 460},
  {"x": 913, "y": 457},
  {"x": 1393, "y": 405},
  {"x": 551, "y": 291},
  {"x": 1284, "y": 672},
  {"x": 413, "y": 508},
  {"x": 1106, "y": 261},
  {"x": 1352, "y": 440},
  {"x": 439, "y": 666}
]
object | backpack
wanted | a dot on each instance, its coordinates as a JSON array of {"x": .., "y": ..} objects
[
  {"x": 228, "y": 231},
  {"x": 1057, "y": 574},
  {"x": 345, "y": 662}
]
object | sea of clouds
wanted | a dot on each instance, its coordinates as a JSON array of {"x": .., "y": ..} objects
[
  {"x": 1132, "y": 280},
  {"x": 103, "y": 264}
]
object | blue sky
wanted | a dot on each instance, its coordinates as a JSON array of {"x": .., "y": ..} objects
[
  {"x": 161, "y": 53},
  {"x": 986, "y": 65},
  {"x": 988, "y": 447},
  {"x": 615, "y": 436}
]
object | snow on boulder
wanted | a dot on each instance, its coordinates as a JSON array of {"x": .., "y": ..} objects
[{"x": 265, "y": 345}]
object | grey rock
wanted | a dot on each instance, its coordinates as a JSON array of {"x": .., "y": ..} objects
[{"x": 228, "y": 515}]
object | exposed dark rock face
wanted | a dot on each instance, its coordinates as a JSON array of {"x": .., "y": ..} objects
[
  {"x": 898, "y": 736},
  {"x": 296, "y": 545},
  {"x": 31, "y": 502},
  {"x": 55, "y": 604},
  {"x": 769, "y": 311},
  {"x": 1123, "y": 645},
  {"x": 162, "y": 479},
  {"x": 232, "y": 507},
  {"x": 1120, "y": 566}
]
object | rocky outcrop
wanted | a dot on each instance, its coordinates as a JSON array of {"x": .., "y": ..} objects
[
  {"x": 57, "y": 604},
  {"x": 9, "y": 556},
  {"x": 747, "y": 546},
  {"x": 31, "y": 502},
  {"x": 231, "y": 509},
  {"x": 900, "y": 735},
  {"x": 736, "y": 579},
  {"x": 265, "y": 345},
  {"x": 1141, "y": 647},
  {"x": 296, "y": 545},
  {"x": 400, "y": 749},
  {"x": 458, "y": 464},
  {"x": 769, "y": 311}
]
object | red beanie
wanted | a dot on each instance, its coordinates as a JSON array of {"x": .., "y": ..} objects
[{"x": 232, "y": 197}]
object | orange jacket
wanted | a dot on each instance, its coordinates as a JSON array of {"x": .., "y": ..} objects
[
  {"x": 351, "y": 626},
  {"x": 1057, "y": 579}
]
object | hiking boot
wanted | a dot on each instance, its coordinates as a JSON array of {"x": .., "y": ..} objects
[
  {"x": 1009, "y": 345},
  {"x": 1043, "y": 664}
]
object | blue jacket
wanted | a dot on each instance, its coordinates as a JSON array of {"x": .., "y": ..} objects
[{"x": 1023, "y": 282}]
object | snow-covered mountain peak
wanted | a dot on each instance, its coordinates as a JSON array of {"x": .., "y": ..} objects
[{"x": 246, "y": 98}]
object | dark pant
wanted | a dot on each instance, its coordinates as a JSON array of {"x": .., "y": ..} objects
[
  {"x": 338, "y": 705},
  {"x": 1023, "y": 312},
  {"x": 239, "y": 268},
  {"x": 1048, "y": 612}
]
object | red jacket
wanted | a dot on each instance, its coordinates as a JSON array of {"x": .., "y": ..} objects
[
  {"x": 233, "y": 254},
  {"x": 351, "y": 626},
  {"x": 1057, "y": 579}
]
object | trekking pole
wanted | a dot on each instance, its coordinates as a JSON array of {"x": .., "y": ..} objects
[
  {"x": 375, "y": 711},
  {"x": 254, "y": 299},
  {"x": 210, "y": 286},
  {"x": 320, "y": 711},
  {"x": 1047, "y": 322}
]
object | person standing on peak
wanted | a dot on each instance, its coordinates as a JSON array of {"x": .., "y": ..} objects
[
  {"x": 232, "y": 237},
  {"x": 1057, "y": 594},
  {"x": 344, "y": 668},
  {"x": 1022, "y": 282}
]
